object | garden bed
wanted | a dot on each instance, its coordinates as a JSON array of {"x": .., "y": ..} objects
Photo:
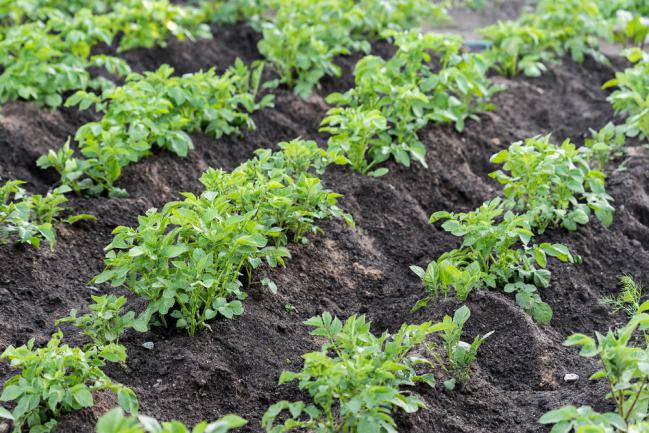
[{"x": 519, "y": 373}]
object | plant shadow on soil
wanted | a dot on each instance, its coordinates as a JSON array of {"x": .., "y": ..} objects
[{"x": 519, "y": 373}]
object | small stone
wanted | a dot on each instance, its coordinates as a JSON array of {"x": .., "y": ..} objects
[
  {"x": 636, "y": 243},
  {"x": 4, "y": 427},
  {"x": 148, "y": 345},
  {"x": 571, "y": 377}
]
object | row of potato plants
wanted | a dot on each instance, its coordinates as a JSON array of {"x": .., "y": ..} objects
[
  {"x": 393, "y": 99},
  {"x": 46, "y": 46},
  {"x": 545, "y": 186},
  {"x": 555, "y": 29},
  {"x": 301, "y": 38},
  {"x": 154, "y": 109}
]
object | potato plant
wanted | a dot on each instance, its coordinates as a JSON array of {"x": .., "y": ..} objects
[
  {"x": 631, "y": 96},
  {"x": 302, "y": 38},
  {"x": 115, "y": 421},
  {"x": 154, "y": 109},
  {"x": 16, "y": 12},
  {"x": 606, "y": 143},
  {"x": 150, "y": 23},
  {"x": 357, "y": 380},
  {"x": 38, "y": 65},
  {"x": 58, "y": 379},
  {"x": 187, "y": 259},
  {"x": 519, "y": 48},
  {"x": 496, "y": 252},
  {"x": 552, "y": 30},
  {"x": 459, "y": 355},
  {"x": 554, "y": 185},
  {"x": 105, "y": 323},
  {"x": 28, "y": 219},
  {"x": 407, "y": 94},
  {"x": 623, "y": 363}
]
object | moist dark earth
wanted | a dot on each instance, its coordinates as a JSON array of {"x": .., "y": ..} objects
[{"x": 235, "y": 368}]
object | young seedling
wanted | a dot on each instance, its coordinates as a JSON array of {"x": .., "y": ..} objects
[
  {"x": 154, "y": 109},
  {"x": 631, "y": 98},
  {"x": 356, "y": 380},
  {"x": 628, "y": 300},
  {"x": 105, "y": 323},
  {"x": 496, "y": 253},
  {"x": 459, "y": 355}
]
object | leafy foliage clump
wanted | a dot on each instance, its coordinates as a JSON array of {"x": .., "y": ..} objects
[
  {"x": 105, "y": 323},
  {"x": 631, "y": 98},
  {"x": 553, "y": 30},
  {"x": 114, "y": 421},
  {"x": 496, "y": 252},
  {"x": 154, "y": 109},
  {"x": 302, "y": 37},
  {"x": 186, "y": 260},
  {"x": 460, "y": 355},
  {"x": 606, "y": 143},
  {"x": 40, "y": 65},
  {"x": 57, "y": 379},
  {"x": 393, "y": 99},
  {"x": 623, "y": 359},
  {"x": 554, "y": 185},
  {"x": 47, "y": 49},
  {"x": 357, "y": 379},
  {"x": 27, "y": 218}
]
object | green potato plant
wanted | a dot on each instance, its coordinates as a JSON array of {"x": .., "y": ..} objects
[
  {"x": 48, "y": 49},
  {"x": 551, "y": 31},
  {"x": 58, "y": 379},
  {"x": 115, "y": 421},
  {"x": 233, "y": 11},
  {"x": 105, "y": 323},
  {"x": 406, "y": 92},
  {"x": 496, "y": 251},
  {"x": 149, "y": 23},
  {"x": 39, "y": 65},
  {"x": 356, "y": 380},
  {"x": 355, "y": 133},
  {"x": 459, "y": 354},
  {"x": 302, "y": 37},
  {"x": 554, "y": 185},
  {"x": 606, "y": 144},
  {"x": 16, "y": 12},
  {"x": 187, "y": 259},
  {"x": 28, "y": 219},
  {"x": 631, "y": 97},
  {"x": 154, "y": 109},
  {"x": 623, "y": 361},
  {"x": 518, "y": 48}
]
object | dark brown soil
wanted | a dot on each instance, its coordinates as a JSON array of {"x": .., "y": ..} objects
[{"x": 519, "y": 374}]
